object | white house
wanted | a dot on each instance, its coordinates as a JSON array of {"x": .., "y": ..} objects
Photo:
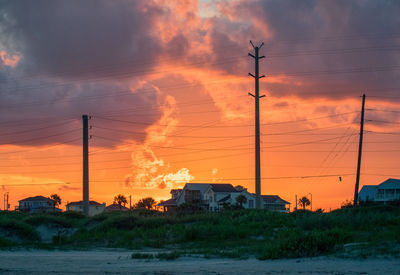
[
  {"x": 192, "y": 193},
  {"x": 214, "y": 197},
  {"x": 389, "y": 190},
  {"x": 219, "y": 195},
  {"x": 94, "y": 207},
  {"x": 37, "y": 204}
]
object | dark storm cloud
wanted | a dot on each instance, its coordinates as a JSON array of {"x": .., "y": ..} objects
[
  {"x": 75, "y": 38},
  {"x": 325, "y": 44},
  {"x": 74, "y": 54},
  {"x": 53, "y": 115}
]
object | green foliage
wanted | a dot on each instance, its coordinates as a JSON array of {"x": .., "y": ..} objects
[
  {"x": 46, "y": 219},
  {"x": 230, "y": 233},
  {"x": 22, "y": 231},
  {"x": 5, "y": 243},
  {"x": 297, "y": 243}
]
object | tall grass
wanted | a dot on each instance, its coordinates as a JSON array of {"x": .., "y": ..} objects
[{"x": 259, "y": 233}]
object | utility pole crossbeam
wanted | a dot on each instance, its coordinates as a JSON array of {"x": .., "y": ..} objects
[
  {"x": 85, "y": 165},
  {"x": 359, "y": 151},
  {"x": 257, "y": 122}
]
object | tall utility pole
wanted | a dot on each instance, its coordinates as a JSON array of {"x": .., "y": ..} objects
[
  {"x": 85, "y": 165},
  {"x": 257, "y": 122},
  {"x": 359, "y": 151}
]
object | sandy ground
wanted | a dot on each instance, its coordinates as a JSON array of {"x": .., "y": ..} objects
[{"x": 119, "y": 262}]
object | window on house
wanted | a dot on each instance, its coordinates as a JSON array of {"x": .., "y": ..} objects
[{"x": 251, "y": 203}]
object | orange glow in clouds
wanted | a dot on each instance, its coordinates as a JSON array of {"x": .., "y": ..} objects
[{"x": 203, "y": 127}]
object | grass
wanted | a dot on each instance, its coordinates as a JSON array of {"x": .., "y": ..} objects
[
  {"x": 232, "y": 234},
  {"x": 17, "y": 230}
]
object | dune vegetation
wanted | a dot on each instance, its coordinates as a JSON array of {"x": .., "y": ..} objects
[{"x": 361, "y": 231}]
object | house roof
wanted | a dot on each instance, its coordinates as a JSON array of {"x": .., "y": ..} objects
[
  {"x": 116, "y": 207},
  {"x": 202, "y": 187},
  {"x": 367, "y": 191},
  {"x": 81, "y": 203},
  {"x": 37, "y": 198},
  {"x": 273, "y": 199},
  {"x": 390, "y": 184},
  {"x": 170, "y": 202},
  {"x": 223, "y": 187}
]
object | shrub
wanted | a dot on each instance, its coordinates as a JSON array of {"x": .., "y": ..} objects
[
  {"x": 296, "y": 243},
  {"x": 45, "y": 219},
  {"x": 20, "y": 229}
]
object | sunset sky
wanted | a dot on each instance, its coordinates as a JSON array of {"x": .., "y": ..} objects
[{"x": 166, "y": 85}]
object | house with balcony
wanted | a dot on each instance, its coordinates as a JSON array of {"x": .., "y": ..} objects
[
  {"x": 215, "y": 197},
  {"x": 387, "y": 191},
  {"x": 37, "y": 204}
]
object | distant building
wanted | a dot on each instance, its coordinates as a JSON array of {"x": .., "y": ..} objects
[
  {"x": 116, "y": 207},
  {"x": 37, "y": 204},
  {"x": 94, "y": 207},
  {"x": 193, "y": 193},
  {"x": 389, "y": 190},
  {"x": 275, "y": 203},
  {"x": 219, "y": 194},
  {"x": 215, "y": 197},
  {"x": 170, "y": 205}
]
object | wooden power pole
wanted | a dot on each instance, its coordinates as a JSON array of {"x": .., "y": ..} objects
[
  {"x": 359, "y": 151},
  {"x": 257, "y": 121},
  {"x": 85, "y": 165}
]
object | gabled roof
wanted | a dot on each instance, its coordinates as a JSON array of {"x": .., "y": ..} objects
[
  {"x": 390, "y": 184},
  {"x": 367, "y": 192},
  {"x": 273, "y": 199},
  {"x": 37, "y": 198},
  {"x": 223, "y": 187},
  {"x": 77, "y": 203},
  {"x": 116, "y": 207},
  {"x": 170, "y": 202},
  {"x": 202, "y": 187}
]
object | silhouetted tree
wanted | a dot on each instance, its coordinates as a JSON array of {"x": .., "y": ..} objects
[
  {"x": 120, "y": 200},
  {"x": 241, "y": 199},
  {"x": 147, "y": 203},
  {"x": 304, "y": 201},
  {"x": 56, "y": 198}
]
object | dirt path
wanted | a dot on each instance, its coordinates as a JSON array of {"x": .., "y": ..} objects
[{"x": 119, "y": 262}]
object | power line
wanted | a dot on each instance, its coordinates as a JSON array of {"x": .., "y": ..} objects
[
  {"x": 226, "y": 126},
  {"x": 35, "y": 184},
  {"x": 48, "y": 147},
  {"x": 383, "y": 110},
  {"x": 42, "y": 137},
  {"x": 34, "y": 130}
]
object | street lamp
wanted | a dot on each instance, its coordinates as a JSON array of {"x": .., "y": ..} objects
[{"x": 311, "y": 200}]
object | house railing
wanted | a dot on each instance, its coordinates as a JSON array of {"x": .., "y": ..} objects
[{"x": 387, "y": 197}]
